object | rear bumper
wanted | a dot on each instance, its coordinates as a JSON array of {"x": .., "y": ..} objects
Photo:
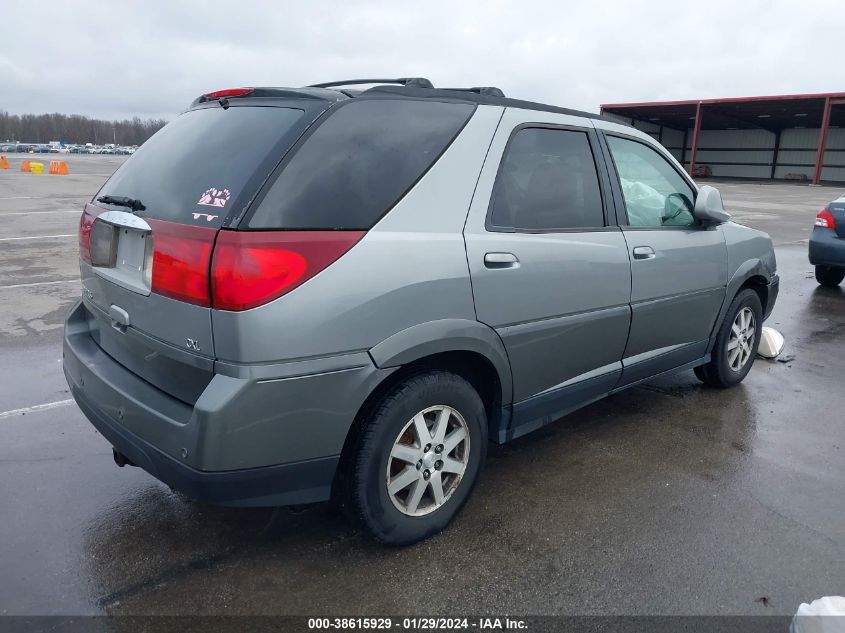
[
  {"x": 826, "y": 249},
  {"x": 285, "y": 484},
  {"x": 260, "y": 441}
]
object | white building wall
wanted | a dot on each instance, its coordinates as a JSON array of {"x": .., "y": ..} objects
[
  {"x": 673, "y": 140},
  {"x": 734, "y": 153}
]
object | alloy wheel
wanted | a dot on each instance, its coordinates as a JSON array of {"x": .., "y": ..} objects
[
  {"x": 427, "y": 461},
  {"x": 741, "y": 341}
]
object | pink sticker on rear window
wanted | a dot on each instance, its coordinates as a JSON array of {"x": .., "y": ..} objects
[{"x": 215, "y": 197}]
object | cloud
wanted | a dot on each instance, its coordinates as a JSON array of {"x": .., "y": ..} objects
[{"x": 153, "y": 58}]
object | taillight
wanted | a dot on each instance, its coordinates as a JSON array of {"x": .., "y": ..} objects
[
  {"x": 86, "y": 223},
  {"x": 249, "y": 269},
  {"x": 825, "y": 220},
  {"x": 229, "y": 92},
  {"x": 181, "y": 257}
]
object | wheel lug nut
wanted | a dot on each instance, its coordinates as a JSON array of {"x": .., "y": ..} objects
[
  {"x": 438, "y": 448},
  {"x": 419, "y": 464},
  {"x": 438, "y": 464},
  {"x": 426, "y": 474},
  {"x": 427, "y": 447}
]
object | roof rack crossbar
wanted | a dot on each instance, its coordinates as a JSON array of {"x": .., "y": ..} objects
[{"x": 417, "y": 82}]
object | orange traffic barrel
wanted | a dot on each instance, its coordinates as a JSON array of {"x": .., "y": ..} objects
[
  {"x": 4, "y": 162},
  {"x": 24, "y": 165},
  {"x": 58, "y": 167}
]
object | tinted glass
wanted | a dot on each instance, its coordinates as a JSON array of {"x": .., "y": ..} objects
[
  {"x": 655, "y": 193},
  {"x": 547, "y": 181},
  {"x": 202, "y": 161},
  {"x": 358, "y": 163}
]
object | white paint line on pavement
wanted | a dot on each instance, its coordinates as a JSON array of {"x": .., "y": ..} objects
[
  {"x": 35, "y": 408},
  {"x": 39, "y": 283},
  {"x": 36, "y": 237}
]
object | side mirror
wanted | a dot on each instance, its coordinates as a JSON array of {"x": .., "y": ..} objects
[{"x": 709, "y": 207}]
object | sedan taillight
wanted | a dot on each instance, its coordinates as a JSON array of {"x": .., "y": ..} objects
[{"x": 825, "y": 220}]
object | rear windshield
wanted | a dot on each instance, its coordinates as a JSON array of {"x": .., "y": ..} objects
[
  {"x": 199, "y": 167},
  {"x": 358, "y": 163}
]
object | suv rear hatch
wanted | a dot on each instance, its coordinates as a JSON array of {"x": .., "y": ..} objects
[
  {"x": 146, "y": 239},
  {"x": 233, "y": 205}
]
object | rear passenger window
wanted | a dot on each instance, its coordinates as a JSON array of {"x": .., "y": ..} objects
[
  {"x": 358, "y": 163},
  {"x": 547, "y": 181}
]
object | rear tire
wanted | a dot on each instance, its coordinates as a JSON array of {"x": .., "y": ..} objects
[
  {"x": 829, "y": 276},
  {"x": 418, "y": 457},
  {"x": 736, "y": 343}
]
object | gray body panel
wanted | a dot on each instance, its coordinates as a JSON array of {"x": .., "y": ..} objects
[
  {"x": 162, "y": 318},
  {"x": 750, "y": 257},
  {"x": 239, "y": 421},
  {"x": 575, "y": 319},
  {"x": 675, "y": 296},
  {"x": 548, "y": 318}
]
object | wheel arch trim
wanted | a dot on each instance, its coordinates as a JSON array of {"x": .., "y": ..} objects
[
  {"x": 446, "y": 335},
  {"x": 745, "y": 272}
]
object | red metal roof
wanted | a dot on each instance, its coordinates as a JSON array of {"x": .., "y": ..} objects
[{"x": 795, "y": 97}]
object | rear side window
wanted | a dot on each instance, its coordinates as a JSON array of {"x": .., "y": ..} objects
[
  {"x": 358, "y": 163},
  {"x": 547, "y": 181},
  {"x": 196, "y": 167}
]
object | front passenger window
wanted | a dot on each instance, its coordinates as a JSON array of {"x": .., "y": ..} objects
[{"x": 655, "y": 194}]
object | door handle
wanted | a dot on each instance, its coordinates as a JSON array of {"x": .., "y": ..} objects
[
  {"x": 501, "y": 260},
  {"x": 643, "y": 252}
]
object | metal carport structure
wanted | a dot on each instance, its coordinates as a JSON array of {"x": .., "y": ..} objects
[{"x": 769, "y": 137}]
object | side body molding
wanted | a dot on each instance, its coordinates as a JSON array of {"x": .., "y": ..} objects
[{"x": 446, "y": 335}]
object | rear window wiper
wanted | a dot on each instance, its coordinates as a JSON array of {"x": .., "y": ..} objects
[{"x": 123, "y": 201}]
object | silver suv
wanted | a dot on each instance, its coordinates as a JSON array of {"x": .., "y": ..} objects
[{"x": 297, "y": 294}]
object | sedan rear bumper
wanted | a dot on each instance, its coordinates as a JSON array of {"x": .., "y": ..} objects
[{"x": 826, "y": 248}]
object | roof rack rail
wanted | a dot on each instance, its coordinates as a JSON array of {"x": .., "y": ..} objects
[
  {"x": 490, "y": 91},
  {"x": 416, "y": 82}
]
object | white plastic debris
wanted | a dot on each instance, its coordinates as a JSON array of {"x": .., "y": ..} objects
[
  {"x": 825, "y": 615},
  {"x": 771, "y": 343}
]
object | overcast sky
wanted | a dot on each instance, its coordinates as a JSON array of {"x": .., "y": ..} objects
[{"x": 152, "y": 57}]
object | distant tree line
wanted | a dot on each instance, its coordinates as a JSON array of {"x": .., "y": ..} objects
[{"x": 76, "y": 129}]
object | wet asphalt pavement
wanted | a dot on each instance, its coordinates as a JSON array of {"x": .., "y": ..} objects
[{"x": 670, "y": 498}]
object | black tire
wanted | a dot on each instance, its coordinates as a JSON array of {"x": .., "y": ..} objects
[
  {"x": 370, "y": 501},
  {"x": 829, "y": 277},
  {"x": 718, "y": 372}
]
